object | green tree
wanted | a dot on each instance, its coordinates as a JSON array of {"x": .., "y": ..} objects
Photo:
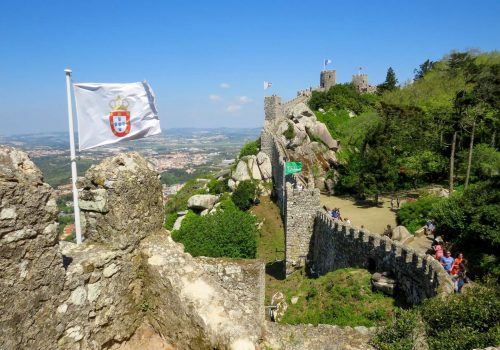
[
  {"x": 423, "y": 69},
  {"x": 390, "y": 82},
  {"x": 470, "y": 220}
]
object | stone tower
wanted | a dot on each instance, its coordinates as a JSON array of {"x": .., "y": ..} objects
[
  {"x": 361, "y": 82},
  {"x": 327, "y": 79},
  {"x": 273, "y": 107}
]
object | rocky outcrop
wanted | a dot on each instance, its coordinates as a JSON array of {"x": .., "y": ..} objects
[
  {"x": 264, "y": 165},
  {"x": 251, "y": 168},
  {"x": 31, "y": 266},
  {"x": 120, "y": 183}
]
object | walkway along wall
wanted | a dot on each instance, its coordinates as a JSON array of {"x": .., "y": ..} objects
[{"x": 335, "y": 246}]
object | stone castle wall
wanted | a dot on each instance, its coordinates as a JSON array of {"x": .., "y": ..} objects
[
  {"x": 301, "y": 208},
  {"x": 335, "y": 246}
]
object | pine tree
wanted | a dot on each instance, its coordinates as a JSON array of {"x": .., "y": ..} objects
[{"x": 390, "y": 81}]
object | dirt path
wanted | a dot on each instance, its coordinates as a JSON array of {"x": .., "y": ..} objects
[{"x": 360, "y": 213}]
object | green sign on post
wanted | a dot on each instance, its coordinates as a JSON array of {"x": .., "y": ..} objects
[{"x": 292, "y": 167}]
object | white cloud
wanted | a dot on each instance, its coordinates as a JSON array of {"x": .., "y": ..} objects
[
  {"x": 233, "y": 108},
  {"x": 224, "y": 86},
  {"x": 244, "y": 99},
  {"x": 215, "y": 98}
]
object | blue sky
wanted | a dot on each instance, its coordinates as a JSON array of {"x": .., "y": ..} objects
[{"x": 207, "y": 60}]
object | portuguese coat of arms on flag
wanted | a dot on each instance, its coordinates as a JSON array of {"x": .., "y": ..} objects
[{"x": 109, "y": 113}]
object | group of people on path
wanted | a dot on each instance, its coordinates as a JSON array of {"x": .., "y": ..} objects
[
  {"x": 455, "y": 267},
  {"x": 335, "y": 214}
]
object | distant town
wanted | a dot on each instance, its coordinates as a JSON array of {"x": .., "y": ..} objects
[{"x": 177, "y": 154}]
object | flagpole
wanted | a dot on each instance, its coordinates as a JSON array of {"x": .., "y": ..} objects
[{"x": 78, "y": 229}]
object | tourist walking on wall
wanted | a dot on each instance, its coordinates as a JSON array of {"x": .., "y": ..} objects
[
  {"x": 455, "y": 268},
  {"x": 447, "y": 262},
  {"x": 438, "y": 251},
  {"x": 461, "y": 277}
]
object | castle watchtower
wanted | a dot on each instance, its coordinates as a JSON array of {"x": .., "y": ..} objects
[
  {"x": 327, "y": 79},
  {"x": 361, "y": 82},
  {"x": 273, "y": 107}
]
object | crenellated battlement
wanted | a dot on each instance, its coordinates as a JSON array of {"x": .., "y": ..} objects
[{"x": 335, "y": 245}]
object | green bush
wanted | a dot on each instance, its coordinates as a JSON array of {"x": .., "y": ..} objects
[
  {"x": 399, "y": 334},
  {"x": 217, "y": 187},
  {"x": 413, "y": 215},
  {"x": 463, "y": 321},
  {"x": 245, "y": 194},
  {"x": 289, "y": 132},
  {"x": 227, "y": 233},
  {"x": 250, "y": 148},
  {"x": 170, "y": 221}
]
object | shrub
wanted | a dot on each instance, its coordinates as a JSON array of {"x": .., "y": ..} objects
[
  {"x": 227, "y": 233},
  {"x": 399, "y": 334},
  {"x": 245, "y": 194},
  {"x": 170, "y": 221},
  {"x": 250, "y": 148},
  {"x": 289, "y": 132},
  {"x": 217, "y": 187},
  {"x": 413, "y": 215},
  {"x": 463, "y": 321}
]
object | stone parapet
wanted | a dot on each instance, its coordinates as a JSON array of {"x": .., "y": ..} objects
[{"x": 335, "y": 245}]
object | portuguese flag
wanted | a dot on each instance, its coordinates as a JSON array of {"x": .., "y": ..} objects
[{"x": 292, "y": 167}]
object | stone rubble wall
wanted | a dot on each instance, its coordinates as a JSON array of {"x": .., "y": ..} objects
[
  {"x": 127, "y": 273},
  {"x": 100, "y": 304},
  {"x": 243, "y": 278},
  {"x": 187, "y": 305},
  {"x": 31, "y": 270},
  {"x": 335, "y": 246}
]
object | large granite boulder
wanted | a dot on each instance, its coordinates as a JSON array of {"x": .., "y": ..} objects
[
  {"x": 202, "y": 201},
  {"x": 241, "y": 172},
  {"x": 321, "y": 131},
  {"x": 121, "y": 200},
  {"x": 401, "y": 234},
  {"x": 31, "y": 267},
  {"x": 265, "y": 166},
  {"x": 253, "y": 167}
]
